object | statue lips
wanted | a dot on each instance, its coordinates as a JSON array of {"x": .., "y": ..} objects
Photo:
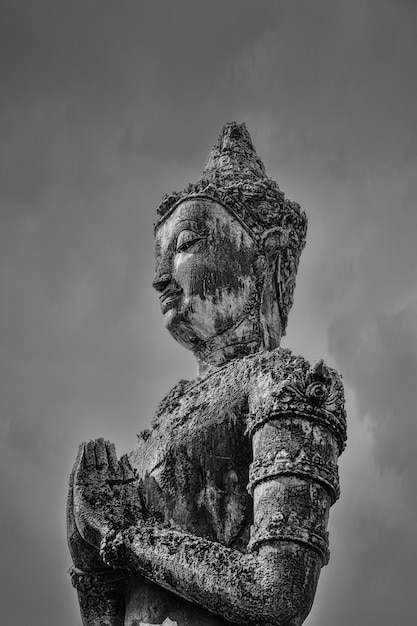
[{"x": 169, "y": 298}]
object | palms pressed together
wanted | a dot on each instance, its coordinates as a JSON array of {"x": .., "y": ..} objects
[{"x": 103, "y": 494}]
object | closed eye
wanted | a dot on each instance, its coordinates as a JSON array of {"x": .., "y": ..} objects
[{"x": 186, "y": 240}]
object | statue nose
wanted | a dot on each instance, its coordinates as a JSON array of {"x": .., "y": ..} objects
[{"x": 162, "y": 281}]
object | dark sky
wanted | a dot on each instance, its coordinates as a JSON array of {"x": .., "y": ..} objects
[{"x": 104, "y": 107}]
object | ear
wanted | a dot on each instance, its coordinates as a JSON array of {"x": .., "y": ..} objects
[{"x": 273, "y": 242}]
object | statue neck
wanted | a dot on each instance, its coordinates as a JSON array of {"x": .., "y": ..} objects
[{"x": 244, "y": 338}]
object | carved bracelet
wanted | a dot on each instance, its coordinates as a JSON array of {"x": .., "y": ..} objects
[
  {"x": 95, "y": 581},
  {"x": 113, "y": 550}
]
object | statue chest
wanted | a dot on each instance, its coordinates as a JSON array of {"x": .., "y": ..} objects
[{"x": 194, "y": 464}]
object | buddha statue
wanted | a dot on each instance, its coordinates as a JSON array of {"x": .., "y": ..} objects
[{"x": 219, "y": 515}]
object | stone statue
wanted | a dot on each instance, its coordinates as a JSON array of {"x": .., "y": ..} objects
[{"x": 219, "y": 515}]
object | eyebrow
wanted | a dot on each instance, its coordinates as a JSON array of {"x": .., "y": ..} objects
[
  {"x": 189, "y": 222},
  {"x": 185, "y": 224}
]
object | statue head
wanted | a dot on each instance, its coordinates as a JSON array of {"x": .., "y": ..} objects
[{"x": 227, "y": 251}]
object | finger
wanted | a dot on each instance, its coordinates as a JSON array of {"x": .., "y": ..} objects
[
  {"x": 126, "y": 468},
  {"x": 78, "y": 462},
  {"x": 74, "y": 471},
  {"x": 101, "y": 454},
  {"x": 80, "y": 466},
  {"x": 112, "y": 456},
  {"x": 90, "y": 455}
]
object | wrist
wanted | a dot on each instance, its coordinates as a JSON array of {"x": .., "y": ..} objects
[
  {"x": 113, "y": 549},
  {"x": 96, "y": 581}
]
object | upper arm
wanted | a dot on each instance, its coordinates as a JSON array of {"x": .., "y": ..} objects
[{"x": 297, "y": 430}]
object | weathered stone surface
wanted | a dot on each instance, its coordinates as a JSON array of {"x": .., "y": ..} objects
[
  {"x": 220, "y": 513},
  {"x": 235, "y": 178}
]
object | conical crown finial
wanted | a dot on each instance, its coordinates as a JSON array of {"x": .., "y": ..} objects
[{"x": 234, "y": 157}]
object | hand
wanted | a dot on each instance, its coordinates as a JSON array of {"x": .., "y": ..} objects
[
  {"x": 105, "y": 492},
  {"x": 84, "y": 556}
]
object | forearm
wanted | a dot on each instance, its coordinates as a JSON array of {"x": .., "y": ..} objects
[
  {"x": 101, "y": 596},
  {"x": 238, "y": 587}
]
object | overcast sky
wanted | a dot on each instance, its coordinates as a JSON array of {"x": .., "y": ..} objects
[{"x": 104, "y": 107}]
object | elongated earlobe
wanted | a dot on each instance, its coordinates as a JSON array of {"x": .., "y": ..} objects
[{"x": 273, "y": 242}]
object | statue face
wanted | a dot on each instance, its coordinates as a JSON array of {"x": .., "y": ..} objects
[{"x": 205, "y": 271}]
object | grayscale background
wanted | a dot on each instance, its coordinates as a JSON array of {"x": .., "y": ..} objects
[{"x": 104, "y": 107}]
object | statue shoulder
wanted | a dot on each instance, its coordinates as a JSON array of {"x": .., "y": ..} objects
[{"x": 286, "y": 385}]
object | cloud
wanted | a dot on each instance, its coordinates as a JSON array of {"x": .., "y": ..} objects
[
  {"x": 376, "y": 526},
  {"x": 381, "y": 365}
]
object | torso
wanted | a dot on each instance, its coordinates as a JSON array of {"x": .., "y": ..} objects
[{"x": 193, "y": 466}]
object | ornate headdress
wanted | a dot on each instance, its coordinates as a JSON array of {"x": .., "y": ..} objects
[{"x": 235, "y": 177}]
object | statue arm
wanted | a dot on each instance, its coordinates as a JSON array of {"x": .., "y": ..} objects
[{"x": 273, "y": 586}]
